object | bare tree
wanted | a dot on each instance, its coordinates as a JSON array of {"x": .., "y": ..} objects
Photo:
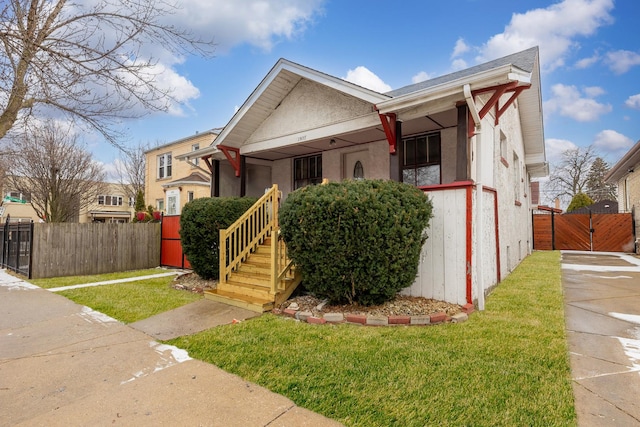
[
  {"x": 569, "y": 176},
  {"x": 87, "y": 60},
  {"x": 130, "y": 168},
  {"x": 56, "y": 172}
]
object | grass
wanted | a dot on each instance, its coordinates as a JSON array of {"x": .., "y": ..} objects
[
  {"x": 56, "y": 282},
  {"x": 132, "y": 301},
  {"x": 505, "y": 366}
]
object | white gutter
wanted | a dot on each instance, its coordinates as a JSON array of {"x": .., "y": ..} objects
[{"x": 479, "y": 193}]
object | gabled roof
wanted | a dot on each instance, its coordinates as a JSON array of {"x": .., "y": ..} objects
[
  {"x": 195, "y": 178},
  {"x": 276, "y": 85},
  {"x": 624, "y": 166},
  {"x": 522, "y": 67},
  {"x": 525, "y": 61}
]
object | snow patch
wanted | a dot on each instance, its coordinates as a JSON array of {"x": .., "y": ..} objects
[
  {"x": 633, "y": 318},
  {"x": 91, "y": 315},
  {"x": 632, "y": 350},
  {"x": 175, "y": 356}
]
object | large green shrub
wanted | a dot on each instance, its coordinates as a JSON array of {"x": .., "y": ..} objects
[
  {"x": 356, "y": 241},
  {"x": 200, "y": 223}
]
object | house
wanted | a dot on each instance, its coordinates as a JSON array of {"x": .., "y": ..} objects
[
  {"x": 111, "y": 206},
  {"x": 472, "y": 140},
  {"x": 626, "y": 175},
  {"x": 169, "y": 185}
]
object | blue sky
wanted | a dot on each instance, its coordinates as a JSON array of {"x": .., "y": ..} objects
[{"x": 590, "y": 54}]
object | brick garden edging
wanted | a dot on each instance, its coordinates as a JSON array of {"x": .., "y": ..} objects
[{"x": 367, "y": 320}]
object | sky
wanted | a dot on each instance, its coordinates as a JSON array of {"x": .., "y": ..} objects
[{"x": 589, "y": 51}]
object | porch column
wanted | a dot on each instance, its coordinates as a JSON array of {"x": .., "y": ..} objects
[
  {"x": 395, "y": 160},
  {"x": 215, "y": 178},
  {"x": 243, "y": 176},
  {"x": 462, "y": 144}
]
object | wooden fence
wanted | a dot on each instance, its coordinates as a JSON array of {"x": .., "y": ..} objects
[
  {"x": 71, "y": 249},
  {"x": 612, "y": 232}
]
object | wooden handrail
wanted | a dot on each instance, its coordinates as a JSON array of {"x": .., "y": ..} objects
[
  {"x": 252, "y": 228},
  {"x": 243, "y": 236}
]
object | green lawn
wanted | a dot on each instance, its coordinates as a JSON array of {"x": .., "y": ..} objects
[
  {"x": 56, "y": 282},
  {"x": 132, "y": 301},
  {"x": 505, "y": 366}
]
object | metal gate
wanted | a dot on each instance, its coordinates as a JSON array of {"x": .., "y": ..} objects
[
  {"x": 171, "y": 254},
  {"x": 601, "y": 232},
  {"x": 17, "y": 241}
]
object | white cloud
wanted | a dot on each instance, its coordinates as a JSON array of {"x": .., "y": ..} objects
[
  {"x": 611, "y": 141},
  {"x": 555, "y": 147},
  {"x": 459, "y": 64},
  {"x": 460, "y": 48},
  {"x": 365, "y": 78},
  {"x": 587, "y": 62},
  {"x": 633, "y": 102},
  {"x": 257, "y": 22},
  {"x": 621, "y": 61},
  {"x": 593, "y": 91},
  {"x": 553, "y": 29},
  {"x": 420, "y": 77},
  {"x": 567, "y": 101}
]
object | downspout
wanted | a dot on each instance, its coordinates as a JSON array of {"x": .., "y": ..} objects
[{"x": 479, "y": 193}]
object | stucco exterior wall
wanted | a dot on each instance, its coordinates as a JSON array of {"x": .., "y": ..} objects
[
  {"x": 514, "y": 202},
  {"x": 309, "y": 105}
]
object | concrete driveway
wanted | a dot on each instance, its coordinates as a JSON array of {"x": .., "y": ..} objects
[{"x": 602, "y": 307}]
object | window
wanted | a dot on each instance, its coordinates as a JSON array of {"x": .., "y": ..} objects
[
  {"x": 421, "y": 163},
  {"x": 16, "y": 196},
  {"x": 503, "y": 149},
  {"x": 160, "y": 204},
  {"x": 195, "y": 161},
  {"x": 358, "y": 170},
  {"x": 132, "y": 202},
  {"x": 110, "y": 200},
  {"x": 307, "y": 170},
  {"x": 189, "y": 196},
  {"x": 164, "y": 166}
]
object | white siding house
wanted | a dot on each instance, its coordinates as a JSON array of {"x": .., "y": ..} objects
[{"x": 472, "y": 140}]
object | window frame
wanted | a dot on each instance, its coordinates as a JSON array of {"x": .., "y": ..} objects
[
  {"x": 415, "y": 164},
  {"x": 164, "y": 168},
  {"x": 311, "y": 172}
]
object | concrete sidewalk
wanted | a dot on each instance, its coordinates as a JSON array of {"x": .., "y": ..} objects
[
  {"x": 602, "y": 311},
  {"x": 62, "y": 364}
]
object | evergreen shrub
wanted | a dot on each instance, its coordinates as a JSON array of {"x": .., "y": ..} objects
[
  {"x": 356, "y": 241},
  {"x": 200, "y": 222}
]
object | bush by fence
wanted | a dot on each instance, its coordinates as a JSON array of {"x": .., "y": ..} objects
[{"x": 70, "y": 249}]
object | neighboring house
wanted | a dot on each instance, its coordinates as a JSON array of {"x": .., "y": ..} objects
[
  {"x": 169, "y": 184},
  {"x": 112, "y": 206},
  {"x": 626, "y": 175},
  {"x": 472, "y": 140}
]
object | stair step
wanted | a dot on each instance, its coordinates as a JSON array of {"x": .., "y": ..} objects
[
  {"x": 248, "y": 289},
  {"x": 247, "y": 267},
  {"x": 258, "y": 305},
  {"x": 251, "y": 278}
]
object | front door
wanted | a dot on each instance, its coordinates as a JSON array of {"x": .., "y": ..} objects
[{"x": 173, "y": 202}]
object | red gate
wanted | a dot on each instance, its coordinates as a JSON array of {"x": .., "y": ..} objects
[{"x": 171, "y": 254}]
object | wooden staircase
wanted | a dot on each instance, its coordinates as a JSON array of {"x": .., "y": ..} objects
[{"x": 255, "y": 272}]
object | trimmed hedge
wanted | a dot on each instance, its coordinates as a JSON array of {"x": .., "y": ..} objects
[
  {"x": 356, "y": 241},
  {"x": 200, "y": 225}
]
